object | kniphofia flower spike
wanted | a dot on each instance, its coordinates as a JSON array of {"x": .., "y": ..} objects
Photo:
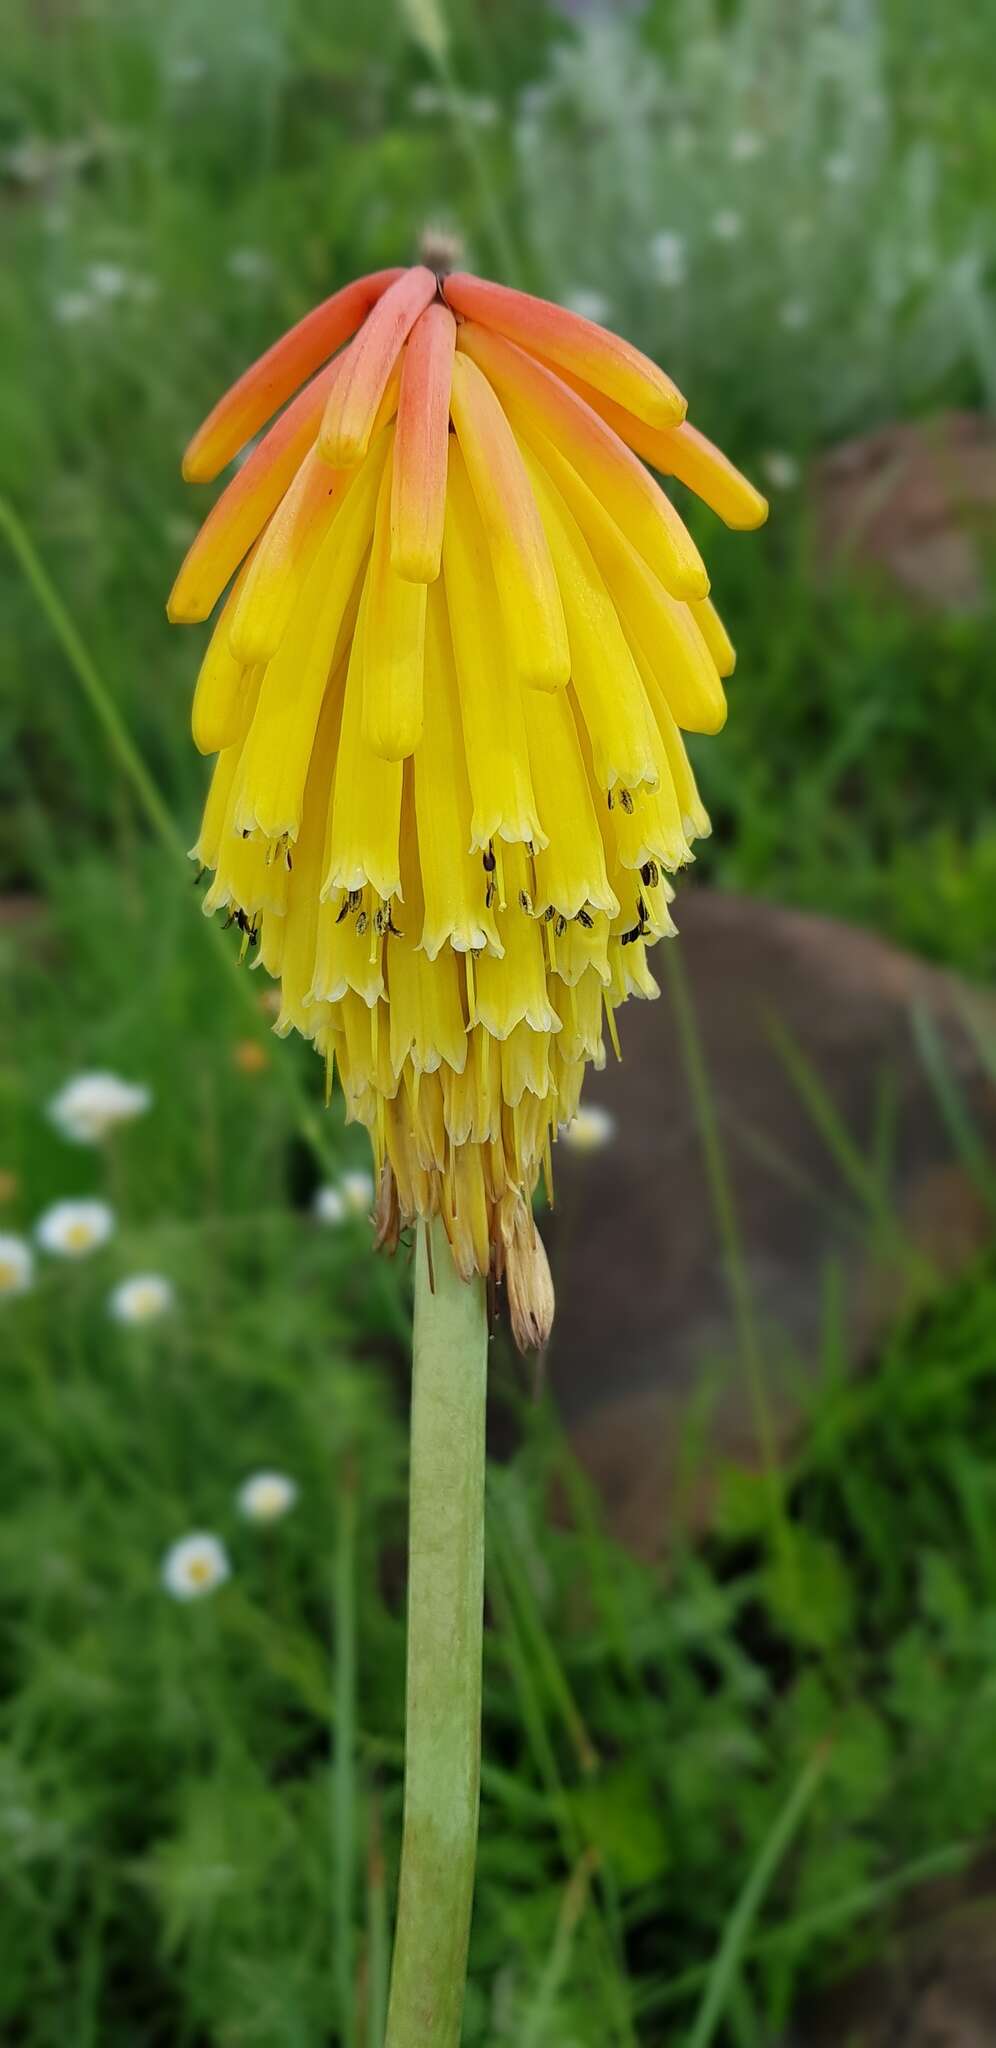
[{"x": 464, "y": 630}]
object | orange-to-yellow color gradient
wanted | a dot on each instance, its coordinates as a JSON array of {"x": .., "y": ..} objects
[{"x": 464, "y": 630}]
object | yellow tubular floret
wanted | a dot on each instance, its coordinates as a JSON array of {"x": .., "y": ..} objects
[
  {"x": 394, "y": 646},
  {"x": 532, "y": 610},
  {"x": 494, "y": 730},
  {"x": 453, "y": 881},
  {"x": 366, "y": 801},
  {"x": 671, "y": 630},
  {"x": 321, "y": 630}
]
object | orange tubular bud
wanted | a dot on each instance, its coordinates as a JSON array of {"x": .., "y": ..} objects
[
  {"x": 418, "y": 491},
  {"x": 276, "y": 375},
  {"x": 576, "y": 345},
  {"x": 684, "y": 452},
  {"x": 352, "y": 409},
  {"x": 537, "y": 401},
  {"x": 244, "y": 508},
  {"x": 532, "y": 611}
]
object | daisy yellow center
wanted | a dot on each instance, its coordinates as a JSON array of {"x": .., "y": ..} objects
[
  {"x": 79, "y": 1236},
  {"x": 9, "y": 1276}
]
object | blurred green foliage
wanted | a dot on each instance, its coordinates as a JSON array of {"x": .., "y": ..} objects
[{"x": 177, "y": 185}]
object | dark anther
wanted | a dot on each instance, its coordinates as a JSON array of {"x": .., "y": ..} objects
[
  {"x": 342, "y": 910},
  {"x": 489, "y": 859},
  {"x": 626, "y": 800},
  {"x": 230, "y": 919},
  {"x": 490, "y": 893},
  {"x": 199, "y": 877},
  {"x": 392, "y": 927},
  {"x": 245, "y": 832},
  {"x": 650, "y": 874},
  {"x": 355, "y": 898},
  {"x": 560, "y": 927},
  {"x": 287, "y": 857},
  {"x": 524, "y": 903},
  {"x": 361, "y": 923},
  {"x": 548, "y": 913},
  {"x": 585, "y": 918},
  {"x": 610, "y": 799},
  {"x": 641, "y": 910}
]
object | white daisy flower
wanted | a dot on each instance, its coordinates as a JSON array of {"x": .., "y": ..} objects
[
  {"x": 92, "y": 1105},
  {"x": 590, "y": 1129},
  {"x": 265, "y": 1496},
  {"x": 667, "y": 258},
  {"x": 357, "y": 1192},
  {"x": 592, "y": 305},
  {"x": 351, "y": 1195},
  {"x": 16, "y": 1265},
  {"x": 780, "y": 470},
  {"x": 195, "y": 1565},
  {"x": 107, "y": 280},
  {"x": 329, "y": 1204},
  {"x": 726, "y": 225},
  {"x": 142, "y": 1299},
  {"x": 72, "y": 1229}
]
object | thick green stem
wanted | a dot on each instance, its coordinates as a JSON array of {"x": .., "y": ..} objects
[{"x": 445, "y": 1616}]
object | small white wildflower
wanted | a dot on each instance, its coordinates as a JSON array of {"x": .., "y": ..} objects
[
  {"x": 250, "y": 265},
  {"x": 839, "y": 168},
  {"x": 142, "y": 1299},
  {"x": 16, "y": 1265},
  {"x": 794, "y": 315},
  {"x": 265, "y": 1496},
  {"x": 92, "y": 1105},
  {"x": 591, "y": 304},
  {"x": 667, "y": 258},
  {"x": 590, "y": 1129},
  {"x": 357, "y": 1192},
  {"x": 780, "y": 470},
  {"x": 72, "y": 1229},
  {"x": 107, "y": 280},
  {"x": 745, "y": 145},
  {"x": 195, "y": 1566},
  {"x": 69, "y": 308},
  {"x": 726, "y": 225},
  {"x": 329, "y": 1204}
]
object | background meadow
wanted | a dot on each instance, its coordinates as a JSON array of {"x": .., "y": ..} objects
[{"x": 710, "y": 1790}]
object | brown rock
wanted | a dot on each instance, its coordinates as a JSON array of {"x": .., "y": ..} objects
[
  {"x": 857, "y": 1221},
  {"x": 914, "y": 500},
  {"x": 937, "y": 1986}
]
